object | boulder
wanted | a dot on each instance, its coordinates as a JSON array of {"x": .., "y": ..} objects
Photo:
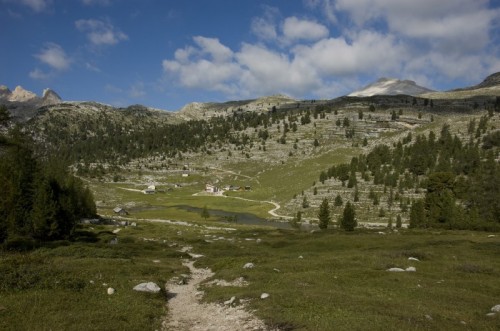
[
  {"x": 249, "y": 265},
  {"x": 413, "y": 259},
  {"x": 111, "y": 291},
  {"x": 396, "y": 270},
  {"x": 411, "y": 269},
  {"x": 230, "y": 301},
  {"x": 264, "y": 295},
  {"x": 496, "y": 309},
  {"x": 148, "y": 287}
]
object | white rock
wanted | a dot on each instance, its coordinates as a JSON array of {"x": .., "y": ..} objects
[
  {"x": 301, "y": 257},
  {"x": 258, "y": 241},
  {"x": 429, "y": 317},
  {"x": 380, "y": 232},
  {"x": 496, "y": 309},
  {"x": 249, "y": 265},
  {"x": 411, "y": 269},
  {"x": 149, "y": 287},
  {"x": 491, "y": 314},
  {"x": 116, "y": 230},
  {"x": 230, "y": 301},
  {"x": 277, "y": 270},
  {"x": 413, "y": 259},
  {"x": 195, "y": 256},
  {"x": 133, "y": 224},
  {"x": 396, "y": 270},
  {"x": 264, "y": 295},
  {"x": 111, "y": 290},
  {"x": 491, "y": 236}
]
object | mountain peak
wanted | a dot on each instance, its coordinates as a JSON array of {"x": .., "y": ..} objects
[
  {"x": 390, "y": 86},
  {"x": 21, "y": 95}
]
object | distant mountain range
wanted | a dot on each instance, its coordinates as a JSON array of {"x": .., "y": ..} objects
[{"x": 24, "y": 104}]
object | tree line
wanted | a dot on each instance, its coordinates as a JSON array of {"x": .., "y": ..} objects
[{"x": 39, "y": 199}]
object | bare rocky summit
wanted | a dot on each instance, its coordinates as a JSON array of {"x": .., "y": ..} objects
[{"x": 390, "y": 86}]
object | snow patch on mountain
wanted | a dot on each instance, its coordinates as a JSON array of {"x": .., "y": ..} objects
[{"x": 390, "y": 86}]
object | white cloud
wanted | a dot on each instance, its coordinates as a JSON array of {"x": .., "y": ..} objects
[
  {"x": 265, "y": 27},
  {"x": 97, "y": 2},
  {"x": 427, "y": 41},
  {"x": 100, "y": 32},
  {"x": 296, "y": 29},
  {"x": 38, "y": 74},
  {"x": 35, "y": 5},
  {"x": 137, "y": 90},
  {"x": 212, "y": 46},
  {"x": 54, "y": 56}
]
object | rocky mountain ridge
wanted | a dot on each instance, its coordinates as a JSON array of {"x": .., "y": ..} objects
[{"x": 391, "y": 86}]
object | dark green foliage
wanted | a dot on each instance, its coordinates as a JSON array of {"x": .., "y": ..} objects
[
  {"x": 324, "y": 214},
  {"x": 338, "y": 201},
  {"x": 417, "y": 215},
  {"x": 348, "y": 220},
  {"x": 204, "y": 213},
  {"x": 38, "y": 200}
]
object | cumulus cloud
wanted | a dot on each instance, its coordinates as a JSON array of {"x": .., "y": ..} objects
[
  {"x": 54, "y": 56},
  {"x": 38, "y": 74},
  {"x": 297, "y": 29},
  {"x": 424, "y": 40},
  {"x": 100, "y": 33},
  {"x": 35, "y": 5}
]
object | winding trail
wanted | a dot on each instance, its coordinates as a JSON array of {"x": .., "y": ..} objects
[{"x": 186, "y": 312}]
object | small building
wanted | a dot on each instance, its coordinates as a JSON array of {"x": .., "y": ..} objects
[
  {"x": 120, "y": 211},
  {"x": 149, "y": 191},
  {"x": 209, "y": 188}
]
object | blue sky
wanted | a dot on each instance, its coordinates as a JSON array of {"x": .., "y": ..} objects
[{"x": 164, "y": 53}]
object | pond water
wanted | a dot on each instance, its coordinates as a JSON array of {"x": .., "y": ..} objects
[{"x": 241, "y": 218}]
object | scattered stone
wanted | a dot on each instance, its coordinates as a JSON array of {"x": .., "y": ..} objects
[
  {"x": 91, "y": 282},
  {"x": 264, "y": 295},
  {"x": 491, "y": 314},
  {"x": 2, "y": 308},
  {"x": 382, "y": 233},
  {"x": 301, "y": 257},
  {"x": 116, "y": 230},
  {"x": 463, "y": 322},
  {"x": 277, "y": 270},
  {"x": 496, "y": 309},
  {"x": 148, "y": 287},
  {"x": 195, "y": 256},
  {"x": 249, "y": 265},
  {"x": 111, "y": 291},
  {"x": 258, "y": 241},
  {"x": 396, "y": 270},
  {"x": 491, "y": 236},
  {"x": 238, "y": 282},
  {"x": 428, "y": 317},
  {"x": 413, "y": 259},
  {"x": 411, "y": 269},
  {"x": 156, "y": 261},
  {"x": 133, "y": 224},
  {"x": 230, "y": 301},
  {"x": 114, "y": 241},
  {"x": 185, "y": 249}
]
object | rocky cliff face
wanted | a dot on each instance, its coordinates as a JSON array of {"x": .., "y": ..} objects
[{"x": 23, "y": 104}]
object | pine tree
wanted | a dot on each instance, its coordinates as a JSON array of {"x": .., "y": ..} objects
[
  {"x": 204, "y": 213},
  {"x": 324, "y": 214},
  {"x": 338, "y": 201},
  {"x": 348, "y": 219}
]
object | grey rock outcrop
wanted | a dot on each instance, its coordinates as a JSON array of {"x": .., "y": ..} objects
[{"x": 148, "y": 287}]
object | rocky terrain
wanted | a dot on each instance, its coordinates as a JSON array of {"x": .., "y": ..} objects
[{"x": 391, "y": 86}]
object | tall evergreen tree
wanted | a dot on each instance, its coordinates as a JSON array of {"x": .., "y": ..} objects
[
  {"x": 324, "y": 214},
  {"x": 348, "y": 220}
]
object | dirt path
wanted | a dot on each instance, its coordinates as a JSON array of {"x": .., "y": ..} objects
[{"x": 186, "y": 312}]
